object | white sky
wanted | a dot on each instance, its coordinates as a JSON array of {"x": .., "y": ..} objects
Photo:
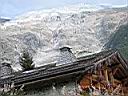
[{"x": 11, "y": 8}]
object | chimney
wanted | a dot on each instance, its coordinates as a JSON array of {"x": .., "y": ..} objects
[
  {"x": 60, "y": 44},
  {"x": 65, "y": 56},
  {"x": 5, "y": 68}
]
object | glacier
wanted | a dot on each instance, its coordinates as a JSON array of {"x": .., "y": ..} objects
[{"x": 84, "y": 28}]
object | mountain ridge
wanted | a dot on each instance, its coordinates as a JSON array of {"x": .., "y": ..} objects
[{"x": 85, "y": 32}]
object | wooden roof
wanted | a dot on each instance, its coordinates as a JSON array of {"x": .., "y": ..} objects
[{"x": 111, "y": 58}]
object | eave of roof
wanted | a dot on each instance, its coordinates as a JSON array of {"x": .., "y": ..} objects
[{"x": 83, "y": 64}]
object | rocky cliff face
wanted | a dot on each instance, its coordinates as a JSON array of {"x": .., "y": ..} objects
[{"x": 85, "y": 29}]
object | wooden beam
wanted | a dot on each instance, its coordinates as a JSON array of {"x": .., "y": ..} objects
[
  {"x": 112, "y": 79},
  {"x": 115, "y": 59},
  {"x": 125, "y": 79},
  {"x": 121, "y": 73},
  {"x": 114, "y": 72},
  {"x": 117, "y": 89},
  {"x": 123, "y": 69},
  {"x": 104, "y": 59},
  {"x": 114, "y": 66},
  {"x": 122, "y": 61}
]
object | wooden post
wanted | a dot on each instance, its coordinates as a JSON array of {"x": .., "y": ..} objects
[
  {"x": 106, "y": 75},
  {"x": 122, "y": 91},
  {"x": 111, "y": 81},
  {"x": 91, "y": 79}
]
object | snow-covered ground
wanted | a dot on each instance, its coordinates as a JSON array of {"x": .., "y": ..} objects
[{"x": 85, "y": 28}]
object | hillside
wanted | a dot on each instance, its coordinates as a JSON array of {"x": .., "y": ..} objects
[
  {"x": 86, "y": 29},
  {"x": 119, "y": 40}
]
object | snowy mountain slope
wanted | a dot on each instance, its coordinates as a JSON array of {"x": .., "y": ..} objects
[{"x": 86, "y": 29}]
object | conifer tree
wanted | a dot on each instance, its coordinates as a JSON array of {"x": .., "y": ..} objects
[{"x": 26, "y": 61}]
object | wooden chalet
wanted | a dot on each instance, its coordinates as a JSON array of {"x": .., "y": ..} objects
[{"x": 101, "y": 73}]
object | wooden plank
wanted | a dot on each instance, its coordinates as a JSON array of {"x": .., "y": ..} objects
[
  {"x": 122, "y": 62},
  {"x": 121, "y": 73}
]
